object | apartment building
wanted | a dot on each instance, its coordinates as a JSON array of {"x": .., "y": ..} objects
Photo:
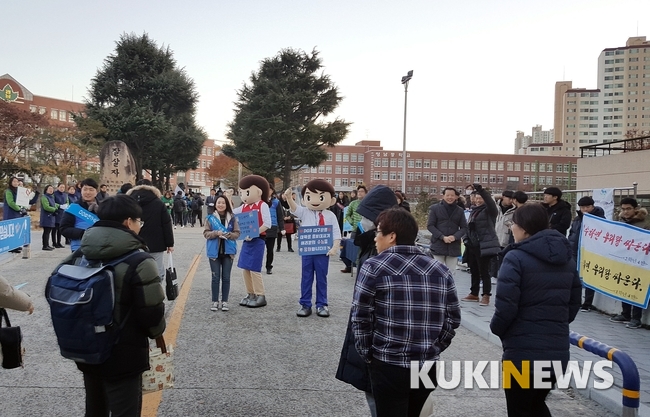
[
  {"x": 431, "y": 172},
  {"x": 619, "y": 107}
]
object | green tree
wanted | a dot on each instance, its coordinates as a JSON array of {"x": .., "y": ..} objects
[
  {"x": 279, "y": 124},
  {"x": 143, "y": 99}
]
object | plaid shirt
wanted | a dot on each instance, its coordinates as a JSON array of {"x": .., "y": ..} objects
[{"x": 405, "y": 307}]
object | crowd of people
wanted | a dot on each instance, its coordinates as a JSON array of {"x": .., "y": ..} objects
[{"x": 528, "y": 250}]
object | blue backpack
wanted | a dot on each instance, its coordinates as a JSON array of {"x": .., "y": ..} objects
[{"x": 82, "y": 299}]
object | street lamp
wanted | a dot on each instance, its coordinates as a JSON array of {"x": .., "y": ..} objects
[{"x": 405, "y": 81}]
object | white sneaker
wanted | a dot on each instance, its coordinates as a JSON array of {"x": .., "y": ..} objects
[
  {"x": 215, "y": 306},
  {"x": 224, "y": 306},
  {"x": 493, "y": 280}
]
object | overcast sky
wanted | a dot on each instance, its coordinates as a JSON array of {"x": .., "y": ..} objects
[{"x": 483, "y": 69}]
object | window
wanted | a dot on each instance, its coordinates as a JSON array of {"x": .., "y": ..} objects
[
  {"x": 353, "y": 157},
  {"x": 526, "y": 167},
  {"x": 452, "y": 164},
  {"x": 493, "y": 165},
  {"x": 344, "y": 182},
  {"x": 384, "y": 175},
  {"x": 418, "y": 176},
  {"x": 484, "y": 177},
  {"x": 468, "y": 165},
  {"x": 329, "y": 156},
  {"x": 434, "y": 163},
  {"x": 410, "y": 163},
  {"x": 54, "y": 114},
  {"x": 484, "y": 165},
  {"x": 443, "y": 177},
  {"x": 393, "y": 162},
  {"x": 513, "y": 179},
  {"x": 393, "y": 176},
  {"x": 33, "y": 108},
  {"x": 493, "y": 179},
  {"x": 558, "y": 168},
  {"x": 353, "y": 170},
  {"x": 338, "y": 157},
  {"x": 477, "y": 165},
  {"x": 337, "y": 169},
  {"x": 418, "y": 163},
  {"x": 526, "y": 179},
  {"x": 517, "y": 166},
  {"x": 360, "y": 157},
  {"x": 425, "y": 176},
  {"x": 346, "y": 157},
  {"x": 345, "y": 169},
  {"x": 376, "y": 175},
  {"x": 321, "y": 169},
  {"x": 434, "y": 177},
  {"x": 443, "y": 164},
  {"x": 500, "y": 165},
  {"x": 360, "y": 170},
  {"x": 477, "y": 178},
  {"x": 468, "y": 178},
  {"x": 384, "y": 162},
  {"x": 62, "y": 116},
  {"x": 328, "y": 169},
  {"x": 409, "y": 176},
  {"x": 427, "y": 163},
  {"x": 377, "y": 162},
  {"x": 510, "y": 166},
  {"x": 337, "y": 182}
]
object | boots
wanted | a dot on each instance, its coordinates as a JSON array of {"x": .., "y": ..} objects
[
  {"x": 485, "y": 300},
  {"x": 244, "y": 301},
  {"x": 259, "y": 301}
]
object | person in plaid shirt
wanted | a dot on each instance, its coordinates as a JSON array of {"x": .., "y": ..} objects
[{"x": 405, "y": 308}]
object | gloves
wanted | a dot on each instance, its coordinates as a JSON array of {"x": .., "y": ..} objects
[
  {"x": 23, "y": 211},
  {"x": 64, "y": 206},
  {"x": 478, "y": 187}
]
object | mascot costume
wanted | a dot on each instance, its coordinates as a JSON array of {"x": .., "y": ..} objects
[
  {"x": 317, "y": 196},
  {"x": 253, "y": 191}
]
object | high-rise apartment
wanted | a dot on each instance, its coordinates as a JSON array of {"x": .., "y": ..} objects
[{"x": 619, "y": 108}]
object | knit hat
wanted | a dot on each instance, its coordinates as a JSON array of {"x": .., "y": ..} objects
[
  {"x": 585, "y": 201},
  {"x": 554, "y": 191},
  {"x": 377, "y": 200}
]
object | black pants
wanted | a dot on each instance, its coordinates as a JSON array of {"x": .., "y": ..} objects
[
  {"x": 479, "y": 267},
  {"x": 195, "y": 214},
  {"x": 589, "y": 297},
  {"x": 120, "y": 398},
  {"x": 632, "y": 312},
  {"x": 178, "y": 218},
  {"x": 46, "y": 236},
  {"x": 391, "y": 387},
  {"x": 288, "y": 237},
  {"x": 527, "y": 402},
  {"x": 57, "y": 234},
  {"x": 270, "y": 246}
]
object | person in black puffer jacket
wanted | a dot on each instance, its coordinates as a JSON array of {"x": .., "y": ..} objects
[
  {"x": 481, "y": 244},
  {"x": 352, "y": 368},
  {"x": 538, "y": 295},
  {"x": 157, "y": 229},
  {"x": 558, "y": 210}
]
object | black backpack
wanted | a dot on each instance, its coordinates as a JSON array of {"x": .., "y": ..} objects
[
  {"x": 195, "y": 204},
  {"x": 82, "y": 299},
  {"x": 179, "y": 204}
]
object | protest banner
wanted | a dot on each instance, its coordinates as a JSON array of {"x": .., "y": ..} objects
[
  {"x": 315, "y": 240},
  {"x": 604, "y": 198},
  {"x": 23, "y": 196},
  {"x": 613, "y": 259},
  {"x": 14, "y": 233}
]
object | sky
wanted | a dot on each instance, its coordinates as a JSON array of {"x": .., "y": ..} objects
[{"x": 483, "y": 69}]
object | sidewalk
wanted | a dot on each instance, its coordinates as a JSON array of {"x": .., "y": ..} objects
[{"x": 593, "y": 325}]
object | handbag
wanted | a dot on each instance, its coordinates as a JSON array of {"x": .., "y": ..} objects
[
  {"x": 161, "y": 372},
  {"x": 171, "y": 287},
  {"x": 11, "y": 343},
  {"x": 290, "y": 228}
]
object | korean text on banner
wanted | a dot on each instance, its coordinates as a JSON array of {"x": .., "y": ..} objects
[
  {"x": 315, "y": 240},
  {"x": 248, "y": 224},
  {"x": 613, "y": 259},
  {"x": 14, "y": 233}
]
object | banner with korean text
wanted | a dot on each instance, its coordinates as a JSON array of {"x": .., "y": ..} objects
[
  {"x": 14, "y": 233},
  {"x": 613, "y": 259}
]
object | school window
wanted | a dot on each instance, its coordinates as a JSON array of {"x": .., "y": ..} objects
[
  {"x": 353, "y": 170},
  {"x": 345, "y": 169},
  {"x": 418, "y": 163},
  {"x": 434, "y": 163},
  {"x": 493, "y": 165},
  {"x": 337, "y": 182},
  {"x": 376, "y": 175},
  {"x": 338, "y": 157},
  {"x": 409, "y": 176},
  {"x": 344, "y": 182},
  {"x": 377, "y": 162},
  {"x": 493, "y": 179},
  {"x": 360, "y": 170},
  {"x": 410, "y": 163},
  {"x": 353, "y": 157},
  {"x": 62, "y": 115},
  {"x": 452, "y": 164},
  {"x": 484, "y": 178},
  {"x": 360, "y": 157},
  {"x": 337, "y": 169},
  {"x": 443, "y": 164},
  {"x": 434, "y": 177},
  {"x": 384, "y": 162},
  {"x": 526, "y": 167},
  {"x": 468, "y": 178},
  {"x": 443, "y": 177},
  {"x": 329, "y": 156},
  {"x": 314, "y": 170},
  {"x": 513, "y": 179},
  {"x": 484, "y": 165},
  {"x": 321, "y": 169},
  {"x": 400, "y": 163},
  {"x": 526, "y": 179},
  {"x": 425, "y": 176},
  {"x": 427, "y": 163},
  {"x": 346, "y": 157},
  {"x": 393, "y": 162},
  {"x": 328, "y": 169},
  {"x": 517, "y": 166},
  {"x": 499, "y": 179},
  {"x": 384, "y": 175},
  {"x": 393, "y": 176},
  {"x": 451, "y": 177},
  {"x": 468, "y": 165},
  {"x": 54, "y": 114}
]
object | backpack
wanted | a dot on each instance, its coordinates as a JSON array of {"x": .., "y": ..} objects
[
  {"x": 82, "y": 299},
  {"x": 179, "y": 204},
  {"x": 195, "y": 204}
]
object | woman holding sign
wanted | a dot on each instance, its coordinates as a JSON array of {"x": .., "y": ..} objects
[{"x": 221, "y": 231}]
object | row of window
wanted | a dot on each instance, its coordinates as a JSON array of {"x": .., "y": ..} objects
[
  {"x": 327, "y": 169},
  {"x": 346, "y": 157},
  {"x": 631, "y": 51},
  {"x": 55, "y": 114}
]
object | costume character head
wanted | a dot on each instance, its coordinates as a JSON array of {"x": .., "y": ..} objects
[
  {"x": 253, "y": 188},
  {"x": 318, "y": 195}
]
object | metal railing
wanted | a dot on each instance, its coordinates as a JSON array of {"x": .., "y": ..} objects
[
  {"x": 572, "y": 196},
  {"x": 631, "y": 381}
]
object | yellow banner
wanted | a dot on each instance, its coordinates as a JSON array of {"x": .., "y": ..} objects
[{"x": 614, "y": 259}]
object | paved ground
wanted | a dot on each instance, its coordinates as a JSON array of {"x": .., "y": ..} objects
[{"x": 256, "y": 361}]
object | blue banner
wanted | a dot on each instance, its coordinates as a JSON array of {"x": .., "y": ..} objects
[
  {"x": 15, "y": 233},
  {"x": 83, "y": 214},
  {"x": 315, "y": 240},
  {"x": 248, "y": 224}
]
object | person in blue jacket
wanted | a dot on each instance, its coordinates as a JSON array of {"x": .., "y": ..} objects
[
  {"x": 221, "y": 231},
  {"x": 48, "y": 216},
  {"x": 538, "y": 295}
]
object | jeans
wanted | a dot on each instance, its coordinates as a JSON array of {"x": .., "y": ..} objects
[
  {"x": 221, "y": 268},
  {"x": 158, "y": 257},
  {"x": 119, "y": 398},
  {"x": 391, "y": 387}
]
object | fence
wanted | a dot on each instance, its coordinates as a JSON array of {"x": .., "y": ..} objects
[
  {"x": 631, "y": 381},
  {"x": 572, "y": 196}
]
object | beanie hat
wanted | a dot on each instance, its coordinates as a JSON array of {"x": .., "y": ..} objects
[
  {"x": 554, "y": 191},
  {"x": 377, "y": 200},
  {"x": 585, "y": 201}
]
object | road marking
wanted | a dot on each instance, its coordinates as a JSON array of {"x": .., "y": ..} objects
[{"x": 151, "y": 401}]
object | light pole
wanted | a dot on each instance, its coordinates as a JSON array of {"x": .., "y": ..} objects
[{"x": 405, "y": 81}]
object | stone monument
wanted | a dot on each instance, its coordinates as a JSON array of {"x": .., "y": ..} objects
[{"x": 117, "y": 166}]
